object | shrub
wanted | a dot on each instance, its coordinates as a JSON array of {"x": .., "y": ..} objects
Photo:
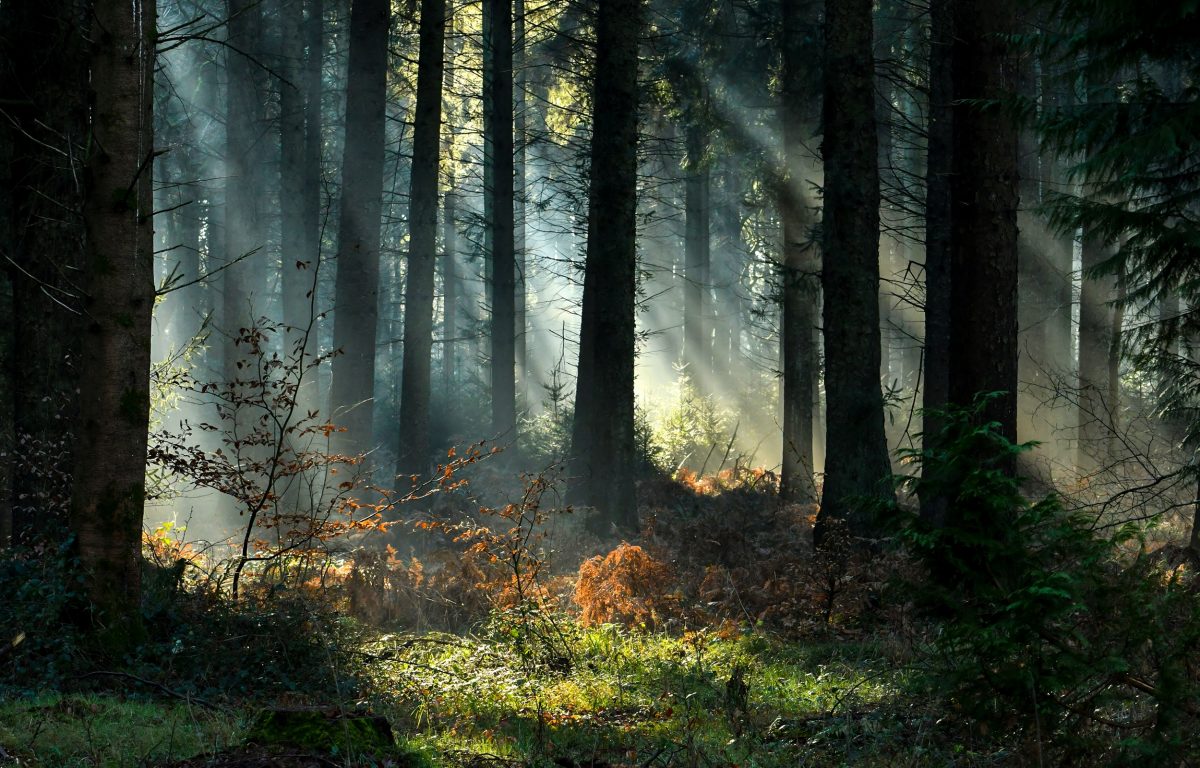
[
  {"x": 627, "y": 586},
  {"x": 1050, "y": 633}
]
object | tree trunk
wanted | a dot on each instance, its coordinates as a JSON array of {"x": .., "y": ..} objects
[
  {"x": 602, "y": 442},
  {"x": 800, "y": 273},
  {"x": 242, "y": 283},
  {"x": 504, "y": 264},
  {"x": 520, "y": 77},
  {"x": 110, "y": 466},
  {"x": 357, "y": 290},
  {"x": 312, "y": 215},
  {"x": 697, "y": 352},
  {"x": 297, "y": 267},
  {"x": 422, "y": 243},
  {"x": 856, "y": 464},
  {"x": 984, "y": 200},
  {"x": 935, "y": 373},
  {"x": 1096, "y": 323}
]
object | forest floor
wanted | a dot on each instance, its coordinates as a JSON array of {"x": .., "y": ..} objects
[{"x": 620, "y": 698}]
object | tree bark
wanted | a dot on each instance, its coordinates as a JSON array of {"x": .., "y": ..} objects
[
  {"x": 520, "y": 117},
  {"x": 422, "y": 243},
  {"x": 357, "y": 289},
  {"x": 800, "y": 272},
  {"x": 602, "y": 444},
  {"x": 856, "y": 465},
  {"x": 984, "y": 200},
  {"x": 297, "y": 265},
  {"x": 110, "y": 466},
  {"x": 935, "y": 373},
  {"x": 697, "y": 352},
  {"x": 503, "y": 264},
  {"x": 243, "y": 283}
]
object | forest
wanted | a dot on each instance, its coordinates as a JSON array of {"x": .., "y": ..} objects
[{"x": 599, "y": 383}]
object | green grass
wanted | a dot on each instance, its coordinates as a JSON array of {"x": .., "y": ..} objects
[
  {"x": 65, "y": 731},
  {"x": 650, "y": 699},
  {"x": 627, "y": 699}
]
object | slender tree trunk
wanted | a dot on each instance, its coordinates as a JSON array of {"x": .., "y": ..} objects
[
  {"x": 520, "y": 119},
  {"x": 297, "y": 267},
  {"x": 242, "y": 284},
  {"x": 504, "y": 265},
  {"x": 422, "y": 243},
  {"x": 856, "y": 465},
  {"x": 357, "y": 289},
  {"x": 697, "y": 352},
  {"x": 602, "y": 443},
  {"x": 450, "y": 287},
  {"x": 984, "y": 200},
  {"x": 1096, "y": 323},
  {"x": 800, "y": 273},
  {"x": 936, "y": 373},
  {"x": 110, "y": 467}
]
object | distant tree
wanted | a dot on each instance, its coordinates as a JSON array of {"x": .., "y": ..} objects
[
  {"x": 422, "y": 243},
  {"x": 503, "y": 255},
  {"x": 801, "y": 267},
  {"x": 602, "y": 443},
  {"x": 357, "y": 290},
  {"x": 299, "y": 174},
  {"x": 110, "y": 465},
  {"x": 857, "y": 468},
  {"x": 244, "y": 282}
]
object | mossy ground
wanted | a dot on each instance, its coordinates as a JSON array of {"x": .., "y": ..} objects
[{"x": 625, "y": 699}]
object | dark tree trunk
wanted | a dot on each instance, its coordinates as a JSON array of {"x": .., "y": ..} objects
[
  {"x": 43, "y": 90},
  {"x": 520, "y": 118},
  {"x": 450, "y": 287},
  {"x": 984, "y": 199},
  {"x": 357, "y": 289},
  {"x": 503, "y": 264},
  {"x": 856, "y": 463},
  {"x": 935, "y": 375},
  {"x": 243, "y": 283},
  {"x": 296, "y": 263},
  {"x": 110, "y": 466},
  {"x": 800, "y": 272},
  {"x": 602, "y": 443},
  {"x": 1095, "y": 326},
  {"x": 697, "y": 348},
  {"x": 422, "y": 243}
]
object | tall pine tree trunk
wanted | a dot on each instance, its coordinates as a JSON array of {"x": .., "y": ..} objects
[
  {"x": 520, "y": 118},
  {"x": 602, "y": 443},
  {"x": 422, "y": 243},
  {"x": 984, "y": 200},
  {"x": 298, "y": 267},
  {"x": 243, "y": 283},
  {"x": 357, "y": 289},
  {"x": 110, "y": 466},
  {"x": 856, "y": 463},
  {"x": 801, "y": 258},
  {"x": 697, "y": 349},
  {"x": 935, "y": 374},
  {"x": 503, "y": 264}
]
